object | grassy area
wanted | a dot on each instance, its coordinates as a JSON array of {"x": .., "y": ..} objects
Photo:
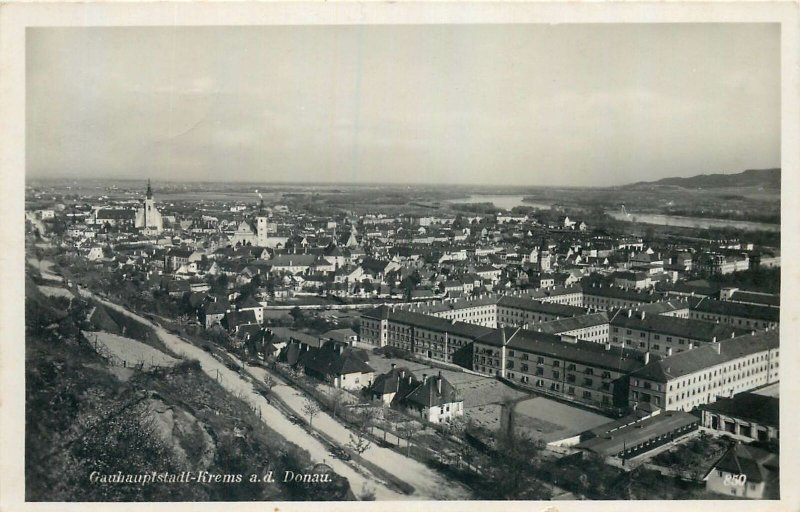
[
  {"x": 81, "y": 418},
  {"x": 696, "y": 456}
]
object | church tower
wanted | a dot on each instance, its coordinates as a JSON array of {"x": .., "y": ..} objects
[
  {"x": 149, "y": 206},
  {"x": 544, "y": 256},
  {"x": 147, "y": 216},
  {"x": 262, "y": 232}
]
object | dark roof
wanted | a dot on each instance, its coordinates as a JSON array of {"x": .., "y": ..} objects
[
  {"x": 397, "y": 380},
  {"x": 237, "y": 318},
  {"x": 333, "y": 359},
  {"x": 540, "y": 307},
  {"x": 180, "y": 252},
  {"x": 249, "y": 302},
  {"x": 220, "y": 307},
  {"x": 427, "y": 394},
  {"x": 573, "y": 323},
  {"x": 612, "y": 438},
  {"x": 742, "y": 459},
  {"x": 583, "y": 352},
  {"x": 613, "y": 292},
  {"x": 748, "y": 406},
  {"x": 439, "y": 324},
  {"x": 284, "y": 333},
  {"x": 672, "y": 326},
  {"x": 698, "y": 359},
  {"x": 115, "y": 213},
  {"x": 739, "y": 309},
  {"x": 766, "y": 299}
]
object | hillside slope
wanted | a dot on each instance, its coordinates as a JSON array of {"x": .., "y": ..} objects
[{"x": 766, "y": 178}]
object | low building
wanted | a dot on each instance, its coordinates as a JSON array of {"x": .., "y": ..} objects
[
  {"x": 747, "y": 416},
  {"x": 635, "y": 435},
  {"x": 434, "y": 399},
  {"x": 392, "y": 386},
  {"x": 337, "y": 365},
  {"x": 745, "y": 472}
]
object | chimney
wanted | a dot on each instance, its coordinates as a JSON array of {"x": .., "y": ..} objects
[
  {"x": 424, "y": 378},
  {"x": 733, "y": 334},
  {"x": 716, "y": 347},
  {"x": 643, "y": 315},
  {"x": 630, "y": 313},
  {"x": 439, "y": 383},
  {"x": 608, "y": 346},
  {"x": 409, "y": 379},
  {"x": 714, "y": 339},
  {"x": 394, "y": 365},
  {"x": 646, "y": 357},
  {"x": 669, "y": 351}
]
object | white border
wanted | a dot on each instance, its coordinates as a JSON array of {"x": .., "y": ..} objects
[{"x": 14, "y": 17}]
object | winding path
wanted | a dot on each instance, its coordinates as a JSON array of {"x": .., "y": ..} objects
[{"x": 428, "y": 484}]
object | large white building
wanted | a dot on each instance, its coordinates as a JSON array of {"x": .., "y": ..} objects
[{"x": 148, "y": 218}]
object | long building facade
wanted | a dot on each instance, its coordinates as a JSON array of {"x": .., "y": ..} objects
[{"x": 720, "y": 369}]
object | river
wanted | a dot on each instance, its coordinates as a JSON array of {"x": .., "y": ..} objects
[
  {"x": 508, "y": 201},
  {"x": 505, "y": 201}
]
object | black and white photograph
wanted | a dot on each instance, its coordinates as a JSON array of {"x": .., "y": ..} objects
[{"x": 402, "y": 262}]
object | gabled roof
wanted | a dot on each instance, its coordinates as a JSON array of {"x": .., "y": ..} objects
[
  {"x": 698, "y": 359},
  {"x": 536, "y": 306},
  {"x": 397, "y": 380},
  {"x": 673, "y": 326},
  {"x": 573, "y": 323},
  {"x": 334, "y": 360},
  {"x": 728, "y": 308},
  {"x": 427, "y": 394},
  {"x": 582, "y": 352},
  {"x": 742, "y": 459}
]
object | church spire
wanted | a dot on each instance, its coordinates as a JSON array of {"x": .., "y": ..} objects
[{"x": 149, "y": 190}]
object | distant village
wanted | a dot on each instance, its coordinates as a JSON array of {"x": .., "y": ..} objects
[{"x": 638, "y": 332}]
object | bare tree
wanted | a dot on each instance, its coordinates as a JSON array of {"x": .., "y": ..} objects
[
  {"x": 406, "y": 431},
  {"x": 367, "y": 418},
  {"x": 269, "y": 382},
  {"x": 311, "y": 409},
  {"x": 337, "y": 399},
  {"x": 359, "y": 442}
]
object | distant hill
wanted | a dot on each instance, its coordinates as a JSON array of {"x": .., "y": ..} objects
[{"x": 766, "y": 178}]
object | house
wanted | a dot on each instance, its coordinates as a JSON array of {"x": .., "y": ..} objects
[
  {"x": 393, "y": 385},
  {"x": 338, "y": 365},
  {"x": 214, "y": 312},
  {"x": 745, "y": 471},
  {"x": 434, "y": 399}
]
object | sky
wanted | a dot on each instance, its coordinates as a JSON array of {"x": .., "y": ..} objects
[{"x": 530, "y": 105}]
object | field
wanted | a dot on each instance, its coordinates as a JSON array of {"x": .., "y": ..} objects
[
  {"x": 549, "y": 420},
  {"x": 128, "y": 352}
]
